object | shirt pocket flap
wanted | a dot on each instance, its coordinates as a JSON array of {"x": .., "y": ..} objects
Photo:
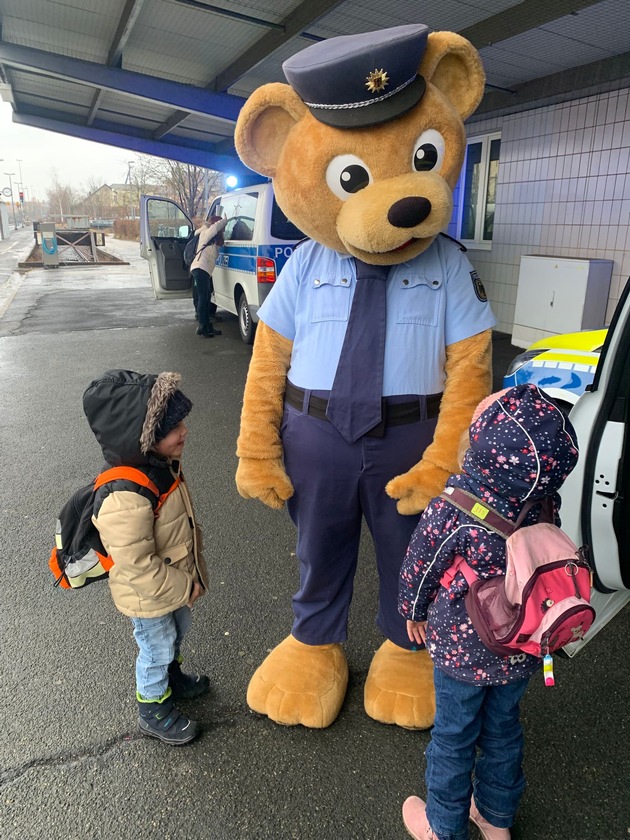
[
  {"x": 419, "y": 299},
  {"x": 412, "y": 281},
  {"x": 176, "y": 553},
  {"x": 330, "y": 297},
  {"x": 330, "y": 280}
]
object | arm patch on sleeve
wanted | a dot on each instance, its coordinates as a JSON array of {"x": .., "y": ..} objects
[{"x": 478, "y": 287}]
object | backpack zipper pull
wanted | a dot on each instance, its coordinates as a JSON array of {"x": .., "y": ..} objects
[
  {"x": 584, "y": 554},
  {"x": 572, "y": 570},
  {"x": 548, "y": 669}
]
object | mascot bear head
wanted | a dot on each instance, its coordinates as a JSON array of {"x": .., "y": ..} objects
[{"x": 366, "y": 143}]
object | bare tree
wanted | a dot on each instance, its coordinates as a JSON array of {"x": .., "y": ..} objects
[
  {"x": 186, "y": 184},
  {"x": 190, "y": 186},
  {"x": 61, "y": 197}
]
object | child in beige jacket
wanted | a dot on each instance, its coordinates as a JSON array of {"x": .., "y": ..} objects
[{"x": 152, "y": 537}]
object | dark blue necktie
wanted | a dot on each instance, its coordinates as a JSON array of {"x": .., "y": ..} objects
[{"x": 355, "y": 404}]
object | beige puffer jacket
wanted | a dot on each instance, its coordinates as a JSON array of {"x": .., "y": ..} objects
[
  {"x": 155, "y": 560},
  {"x": 156, "y": 557},
  {"x": 207, "y": 256}
]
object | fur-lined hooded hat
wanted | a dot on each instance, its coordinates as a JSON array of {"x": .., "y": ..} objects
[{"x": 130, "y": 412}]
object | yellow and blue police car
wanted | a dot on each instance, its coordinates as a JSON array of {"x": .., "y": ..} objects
[
  {"x": 561, "y": 365},
  {"x": 588, "y": 373}
]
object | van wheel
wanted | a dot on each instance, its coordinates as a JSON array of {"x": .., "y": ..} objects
[{"x": 245, "y": 324}]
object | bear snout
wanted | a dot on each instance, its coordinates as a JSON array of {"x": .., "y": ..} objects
[{"x": 409, "y": 212}]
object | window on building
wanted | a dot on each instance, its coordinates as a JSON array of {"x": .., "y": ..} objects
[{"x": 478, "y": 187}]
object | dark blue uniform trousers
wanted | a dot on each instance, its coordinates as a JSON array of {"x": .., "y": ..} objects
[{"x": 336, "y": 484}]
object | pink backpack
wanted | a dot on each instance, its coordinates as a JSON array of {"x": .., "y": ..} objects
[{"x": 543, "y": 601}]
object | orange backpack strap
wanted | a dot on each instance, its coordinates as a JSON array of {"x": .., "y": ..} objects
[
  {"x": 128, "y": 473},
  {"x": 164, "y": 496}
]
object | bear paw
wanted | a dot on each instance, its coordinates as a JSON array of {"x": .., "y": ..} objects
[
  {"x": 399, "y": 687},
  {"x": 300, "y": 684}
]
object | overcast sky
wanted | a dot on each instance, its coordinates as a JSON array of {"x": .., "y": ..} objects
[{"x": 42, "y": 152}]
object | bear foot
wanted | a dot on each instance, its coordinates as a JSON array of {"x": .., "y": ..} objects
[
  {"x": 300, "y": 684},
  {"x": 399, "y": 687}
]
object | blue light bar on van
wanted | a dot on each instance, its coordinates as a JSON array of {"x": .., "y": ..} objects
[{"x": 231, "y": 181}]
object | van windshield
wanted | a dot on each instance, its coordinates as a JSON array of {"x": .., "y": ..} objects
[{"x": 281, "y": 227}]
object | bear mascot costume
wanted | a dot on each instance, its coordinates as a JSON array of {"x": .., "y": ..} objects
[{"x": 373, "y": 347}]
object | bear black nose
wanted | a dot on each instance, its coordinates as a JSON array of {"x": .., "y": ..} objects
[{"x": 409, "y": 212}]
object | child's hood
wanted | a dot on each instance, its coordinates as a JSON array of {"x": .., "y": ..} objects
[
  {"x": 124, "y": 410},
  {"x": 522, "y": 445}
]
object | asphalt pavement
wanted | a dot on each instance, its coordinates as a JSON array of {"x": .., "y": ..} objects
[{"x": 72, "y": 765}]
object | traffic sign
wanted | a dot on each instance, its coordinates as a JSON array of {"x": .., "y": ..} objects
[{"x": 6, "y": 191}]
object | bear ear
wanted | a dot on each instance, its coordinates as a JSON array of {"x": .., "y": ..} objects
[
  {"x": 452, "y": 64},
  {"x": 263, "y": 124}
]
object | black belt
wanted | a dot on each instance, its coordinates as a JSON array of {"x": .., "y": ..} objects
[{"x": 393, "y": 414}]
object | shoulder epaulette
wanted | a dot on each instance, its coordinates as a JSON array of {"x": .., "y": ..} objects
[{"x": 456, "y": 241}]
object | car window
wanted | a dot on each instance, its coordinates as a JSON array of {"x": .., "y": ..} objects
[
  {"x": 240, "y": 210},
  {"x": 167, "y": 220},
  {"x": 281, "y": 227}
]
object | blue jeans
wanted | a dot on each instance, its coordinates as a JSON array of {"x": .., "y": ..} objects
[
  {"x": 159, "y": 641},
  {"x": 471, "y": 718}
]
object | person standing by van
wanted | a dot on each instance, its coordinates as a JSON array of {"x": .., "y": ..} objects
[
  {"x": 210, "y": 240},
  {"x": 520, "y": 450},
  {"x": 159, "y": 570}
]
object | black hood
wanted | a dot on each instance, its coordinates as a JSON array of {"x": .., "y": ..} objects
[{"x": 124, "y": 410}]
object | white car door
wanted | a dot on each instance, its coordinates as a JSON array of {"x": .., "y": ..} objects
[
  {"x": 164, "y": 231},
  {"x": 596, "y": 496}
]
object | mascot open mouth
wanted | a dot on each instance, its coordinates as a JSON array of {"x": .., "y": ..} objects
[{"x": 413, "y": 245}]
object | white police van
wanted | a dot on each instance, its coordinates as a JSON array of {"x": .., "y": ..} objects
[
  {"x": 258, "y": 241},
  {"x": 596, "y": 496}
]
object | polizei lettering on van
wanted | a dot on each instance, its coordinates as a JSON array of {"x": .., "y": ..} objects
[{"x": 278, "y": 253}]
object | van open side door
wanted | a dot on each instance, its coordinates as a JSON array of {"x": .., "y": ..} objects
[
  {"x": 596, "y": 496},
  {"x": 164, "y": 231}
]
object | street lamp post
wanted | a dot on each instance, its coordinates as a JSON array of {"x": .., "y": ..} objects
[
  {"x": 130, "y": 163},
  {"x": 19, "y": 163},
  {"x": 9, "y": 174}
]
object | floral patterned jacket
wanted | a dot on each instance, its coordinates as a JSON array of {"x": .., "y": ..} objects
[{"x": 522, "y": 448}]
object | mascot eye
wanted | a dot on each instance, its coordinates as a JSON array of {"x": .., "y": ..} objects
[
  {"x": 428, "y": 152},
  {"x": 347, "y": 174}
]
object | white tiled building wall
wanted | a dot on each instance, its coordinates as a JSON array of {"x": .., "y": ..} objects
[{"x": 563, "y": 190}]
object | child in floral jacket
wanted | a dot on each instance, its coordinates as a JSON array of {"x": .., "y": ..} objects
[{"x": 522, "y": 448}]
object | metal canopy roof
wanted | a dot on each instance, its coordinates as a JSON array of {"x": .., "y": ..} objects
[{"x": 168, "y": 77}]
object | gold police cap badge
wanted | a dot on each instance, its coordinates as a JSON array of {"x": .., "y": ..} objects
[{"x": 377, "y": 81}]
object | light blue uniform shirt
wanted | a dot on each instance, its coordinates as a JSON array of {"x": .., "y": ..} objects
[{"x": 432, "y": 301}]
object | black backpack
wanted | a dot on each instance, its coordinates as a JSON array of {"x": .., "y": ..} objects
[
  {"x": 190, "y": 251},
  {"x": 79, "y": 557}
]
